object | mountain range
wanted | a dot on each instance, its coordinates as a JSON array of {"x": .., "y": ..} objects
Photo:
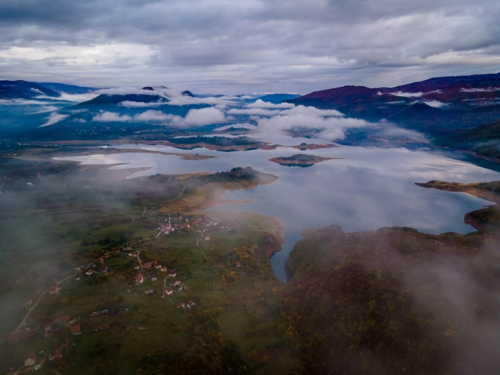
[{"x": 437, "y": 106}]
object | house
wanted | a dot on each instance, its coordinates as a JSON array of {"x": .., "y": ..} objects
[
  {"x": 64, "y": 319},
  {"x": 207, "y": 238},
  {"x": 181, "y": 305},
  {"x": 53, "y": 289},
  {"x": 47, "y": 326},
  {"x": 190, "y": 304},
  {"x": 116, "y": 252},
  {"x": 148, "y": 265},
  {"x": 89, "y": 272},
  {"x": 169, "y": 291},
  {"x": 30, "y": 359},
  {"x": 101, "y": 328},
  {"x": 26, "y": 302},
  {"x": 172, "y": 273},
  {"x": 132, "y": 254},
  {"x": 163, "y": 269},
  {"x": 139, "y": 279},
  {"x": 75, "y": 330},
  {"x": 57, "y": 352},
  {"x": 238, "y": 264},
  {"x": 103, "y": 269},
  {"x": 153, "y": 278},
  {"x": 149, "y": 292},
  {"x": 101, "y": 259},
  {"x": 158, "y": 266},
  {"x": 174, "y": 282}
]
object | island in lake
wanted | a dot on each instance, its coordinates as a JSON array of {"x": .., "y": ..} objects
[{"x": 300, "y": 160}]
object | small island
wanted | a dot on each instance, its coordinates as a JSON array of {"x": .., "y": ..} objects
[{"x": 299, "y": 160}]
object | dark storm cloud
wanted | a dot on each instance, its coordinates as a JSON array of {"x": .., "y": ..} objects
[{"x": 260, "y": 45}]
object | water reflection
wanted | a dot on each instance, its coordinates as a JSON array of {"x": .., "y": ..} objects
[{"x": 369, "y": 189}]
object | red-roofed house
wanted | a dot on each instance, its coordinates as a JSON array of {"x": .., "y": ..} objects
[
  {"x": 103, "y": 268},
  {"x": 207, "y": 238},
  {"x": 238, "y": 264},
  {"x": 101, "y": 259},
  {"x": 75, "y": 330},
  {"x": 172, "y": 273},
  {"x": 190, "y": 304},
  {"x": 139, "y": 279},
  {"x": 56, "y": 353},
  {"x": 174, "y": 282},
  {"x": 53, "y": 289},
  {"x": 132, "y": 254},
  {"x": 65, "y": 319},
  {"x": 169, "y": 291},
  {"x": 181, "y": 305},
  {"x": 164, "y": 269},
  {"x": 30, "y": 359},
  {"x": 89, "y": 272}
]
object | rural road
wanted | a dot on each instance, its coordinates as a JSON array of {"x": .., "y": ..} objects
[{"x": 38, "y": 300}]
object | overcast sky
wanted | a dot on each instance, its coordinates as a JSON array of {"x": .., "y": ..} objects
[{"x": 247, "y": 46}]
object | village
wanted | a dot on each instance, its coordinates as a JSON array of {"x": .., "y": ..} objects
[{"x": 151, "y": 279}]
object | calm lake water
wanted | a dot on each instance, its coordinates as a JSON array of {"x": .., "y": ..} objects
[{"x": 370, "y": 188}]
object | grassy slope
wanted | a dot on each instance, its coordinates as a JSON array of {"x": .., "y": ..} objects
[{"x": 73, "y": 214}]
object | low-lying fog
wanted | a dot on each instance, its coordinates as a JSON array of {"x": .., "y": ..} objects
[{"x": 368, "y": 189}]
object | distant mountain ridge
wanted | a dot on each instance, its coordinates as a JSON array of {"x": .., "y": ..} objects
[
  {"x": 68, "y": 89},
  {"x": 436, "y": 106},
  {"x": 24, "y": 90}
]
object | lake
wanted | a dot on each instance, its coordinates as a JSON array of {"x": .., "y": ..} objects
[{"x": 368, "y": 189}]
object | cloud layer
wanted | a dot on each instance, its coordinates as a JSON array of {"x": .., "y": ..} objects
[{"x": 249, "y": 45}]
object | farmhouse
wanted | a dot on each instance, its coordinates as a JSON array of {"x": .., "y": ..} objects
[
  {"x": 54, "y": 354},
  {"x": 101, "y": 328},
  {"x": 26, "y": 302},
  {"x": 30, "y": 359},
  {"x": 53, "y": 289},
  {"x": 75, "y": 330}
]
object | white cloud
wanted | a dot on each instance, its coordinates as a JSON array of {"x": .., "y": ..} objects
[
  {"x": 131, "y": 104},
  {"x": 311, "y": 111},
  {"x": 245, "y": 125},
  {"x": 160, "y": 118},
  {"x": 253, "y": 111},
  {"x": 407, "y": 94},
  {"x": 488, "y": 89},
  {"x": 262, "y": 104},
  {"x": 54, "y": 118},
  {"x": 205, "y": 116},
  {"x": 435, "y": 103},
  {"x": 330, "y": 128},
  {"x": 111, "y": 117}
]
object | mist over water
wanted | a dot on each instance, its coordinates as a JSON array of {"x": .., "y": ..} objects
[{"x": 368, "y": 189}]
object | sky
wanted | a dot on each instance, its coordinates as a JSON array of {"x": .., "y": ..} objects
[{"x": 247, "y": 46}]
